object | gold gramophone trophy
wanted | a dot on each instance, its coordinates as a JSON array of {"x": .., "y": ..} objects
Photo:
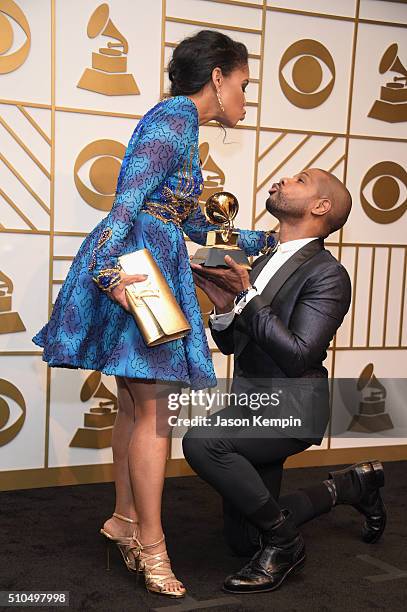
[
  {"x": 108, "y": 73},
  {"x": 221, "y": 209},
  {"x": 392, "y": 105},
  {"x": 372, "y": 416},
  {"x": 99, "y": 421},
  {"x": 10, "y": 321},
  {"x": 213, "y": 175}
]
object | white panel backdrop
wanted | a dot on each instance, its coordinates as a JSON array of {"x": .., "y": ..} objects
[{"x": 293, "y": 121}]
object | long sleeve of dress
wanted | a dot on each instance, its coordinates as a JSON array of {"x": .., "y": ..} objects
[
  {"x": 152, "y": 154},
  {"x": 251, "y": 241}
]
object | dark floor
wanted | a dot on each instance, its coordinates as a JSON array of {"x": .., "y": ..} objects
[{"x": 49, "y": 541}]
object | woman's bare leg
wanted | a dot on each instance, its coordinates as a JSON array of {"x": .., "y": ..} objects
[
  {"x": 148, "y": 451},
  {"x": 122, "y": 433}
]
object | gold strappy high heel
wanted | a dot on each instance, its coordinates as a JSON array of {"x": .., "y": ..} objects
[
  {"x": 123, "y": 543},
  {"x": 156, "y": 569}
]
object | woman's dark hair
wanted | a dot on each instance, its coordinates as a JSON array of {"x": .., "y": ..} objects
[{"x": 194, "y": 59}]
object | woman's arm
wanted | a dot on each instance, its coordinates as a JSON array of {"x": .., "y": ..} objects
[
  {"x": 153, "y": 152},
  {"x": 251, "y": 241}
]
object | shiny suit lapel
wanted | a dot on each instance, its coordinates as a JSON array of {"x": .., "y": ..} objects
[
  {"x": 241, "y": 338},
  {"x": 258, "y": 266},
  {"x": 289, "y": 267}
]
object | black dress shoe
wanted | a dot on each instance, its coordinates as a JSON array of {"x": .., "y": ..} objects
[
  {"x": 282, "y": 553},
  {"x": 359, "y": 485}
]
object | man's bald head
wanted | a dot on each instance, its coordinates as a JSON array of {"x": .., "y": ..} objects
[
  {"x": 330, "y": 187},
  {"x": 314, "y": 199}
]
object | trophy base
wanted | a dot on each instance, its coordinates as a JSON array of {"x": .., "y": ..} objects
[
  {"x": 92, "y": 438},
  {"x": 214, "y": 257},
  {"x": 370, "y": 424},
  {"x": 389, "y": 112},
  {"x": 108, "y": 84},
  {"x": 10, "y": 322}
]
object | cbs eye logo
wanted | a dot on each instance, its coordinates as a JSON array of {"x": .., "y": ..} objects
[
  {"x": 385, "y": 192},
  {"x": 306, "y": 73},
  {"x": 13, "y": 60},
  {"x": 8, "y": 390},
  {"x": 102, "y": 172}
]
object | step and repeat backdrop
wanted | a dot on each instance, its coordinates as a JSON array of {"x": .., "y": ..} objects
[{"x": 328, "y": 88}]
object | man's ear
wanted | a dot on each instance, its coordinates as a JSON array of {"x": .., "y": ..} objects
[
  {"x": 217, "y": 77},
  {"x": 321, "y": 207}
]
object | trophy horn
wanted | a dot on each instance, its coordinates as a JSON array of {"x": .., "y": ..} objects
[
  {"x": 365, "y": 376},
  {"x": 6, "y": 284},
  {"x": 391, "y": 61},
  {"x": 221, "y": 208},
  {"x": 368, "y": 380},
  {"x": 99, "y": 23},
  {"x": 94, "y": 387},
  {"x": 113, "y": 32},
  {"x": 98, "y": 20},
  {"x": 104, "y": 393},
  {"x": 217, "y": 178}
]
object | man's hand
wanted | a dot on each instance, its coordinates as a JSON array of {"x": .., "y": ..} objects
[
  {"x": 222, "y": 300},
  {"x": 118, "y": 294},
  {"x": 233, "y": 280}
]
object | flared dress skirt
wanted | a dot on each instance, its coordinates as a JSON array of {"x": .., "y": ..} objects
[{"x": 89, "y": 330}]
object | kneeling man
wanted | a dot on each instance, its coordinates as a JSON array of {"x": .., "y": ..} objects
[{"x": 278, "y": 320}]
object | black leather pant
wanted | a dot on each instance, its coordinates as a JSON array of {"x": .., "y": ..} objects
[{"x": 247, "y": 473}]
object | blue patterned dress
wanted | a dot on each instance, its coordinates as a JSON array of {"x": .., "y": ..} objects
[{"x": 156, "y": 201}]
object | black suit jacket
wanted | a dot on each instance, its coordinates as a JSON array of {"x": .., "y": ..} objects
[{"x": 285, "y": 332}]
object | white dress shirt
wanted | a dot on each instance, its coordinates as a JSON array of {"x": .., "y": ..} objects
[{"x": 283, "y": 253}]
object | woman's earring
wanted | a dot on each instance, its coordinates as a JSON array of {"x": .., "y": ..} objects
[{"x": 222, "y": 108}]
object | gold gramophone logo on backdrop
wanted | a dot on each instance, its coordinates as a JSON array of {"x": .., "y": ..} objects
[
  {"x": 12, "y": 61},
  {"x": 307, "y": 73},
  {"x": 103, "y": 172},
  {"x": 392, "y": 104},
  {"x": 213, "y": 175},
  {"x": 385, "y": 192},
  {"x": 108, "y": 74},
  {"x": 8, "y": 390},
  {"x": 372, "y": 415},
  {"x": 10, "y": 322},
  {"x": 99, "y": 421}
]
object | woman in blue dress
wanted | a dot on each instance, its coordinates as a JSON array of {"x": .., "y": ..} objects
[{"x": 156, "y": 202}]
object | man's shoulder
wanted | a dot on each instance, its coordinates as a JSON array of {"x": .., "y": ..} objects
[
  {"x": 329, "y": 262},
  {"x": 323, "y": 266}
]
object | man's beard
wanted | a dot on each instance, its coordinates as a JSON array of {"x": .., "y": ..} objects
[
  {"x": 275, "y": 204},
  {"x": 281, "y": 208}
]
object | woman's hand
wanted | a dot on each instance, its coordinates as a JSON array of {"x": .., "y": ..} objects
[{"x": 118, "y": 294}]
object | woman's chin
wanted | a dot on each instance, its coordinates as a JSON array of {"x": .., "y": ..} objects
[
  {"x": 242, "y": 118},
  {"x": 229, "y": 123}
]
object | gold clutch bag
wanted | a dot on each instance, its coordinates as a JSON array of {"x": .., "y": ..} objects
[{"x": 152, "y": 303}]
